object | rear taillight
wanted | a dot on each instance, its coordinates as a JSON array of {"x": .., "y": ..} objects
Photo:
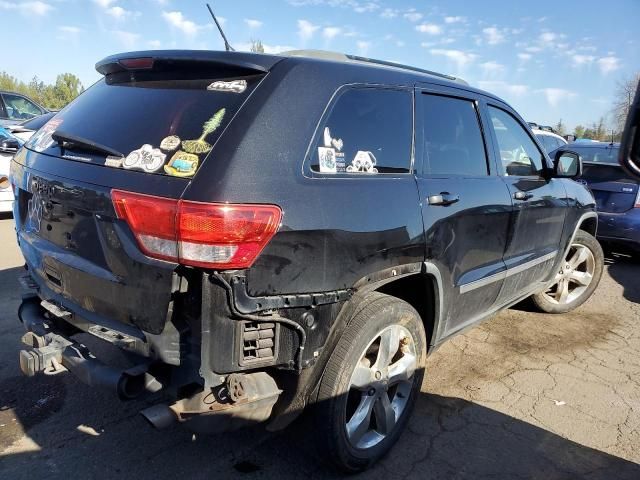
[{"x": 210, "y": 235}]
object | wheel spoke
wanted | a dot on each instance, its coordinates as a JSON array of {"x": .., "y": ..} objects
[
  {"x": 581, "y": 278},
  {"x": 385, "y": 415},
  {"x": 361, "y": 419},
  {"x": 562, "y": 291},
  {"x": 389, "y": 344},
  {"x": 362, "y": 377},
  {"x": 403, "y": 369},
  {"x": 581, "y": 254}
]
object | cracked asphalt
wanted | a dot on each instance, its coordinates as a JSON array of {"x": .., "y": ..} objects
[{"x": 524, "y": 395}]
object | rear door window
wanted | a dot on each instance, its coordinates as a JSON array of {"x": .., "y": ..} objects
[
  {"x": 157, "y": 122},
  {"x": 19, "y": 108},
  {"x": 368, "y": 131},
  {"x": 453, "y": 143}
]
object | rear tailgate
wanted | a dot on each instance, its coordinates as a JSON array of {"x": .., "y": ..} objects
[
  {"x": 145, "y": 131},
  {"x": 613, "y": 189}
]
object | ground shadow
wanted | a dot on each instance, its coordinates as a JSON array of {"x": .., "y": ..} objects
[{"x": 624, "y": 268}]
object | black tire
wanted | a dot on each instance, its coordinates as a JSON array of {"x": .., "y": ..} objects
[
  {"x": 543, "y": 300},
  {"x": 377, "y": 314}
]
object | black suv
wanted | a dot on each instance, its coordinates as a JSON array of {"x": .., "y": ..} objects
[{"x": 264, "y": 233}]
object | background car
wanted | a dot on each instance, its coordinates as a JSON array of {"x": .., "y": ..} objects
[
  {"x": 16, "y": 108},
  {"x": 9, "y": 145},
  {"x": 616, "y": 192},
  {"x": 549, "y": 140},
  {"x": 26, "y": 129}
]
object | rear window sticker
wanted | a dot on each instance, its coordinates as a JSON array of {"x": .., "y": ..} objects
[
  {"x": 200, "y": 145},
  {"x": 233, "y": 86},
  {"x": 363, "y": 162},
  {"x": 327, "y": 157},
  {"x": 182, "y": 164},
  {"x": 170, "y": 143},
  {"x": 113, "y": 161},
  {"x": 146, "y": 158},
  {"x": 42, "y": 140},
  {"x": 336, "y": 144},
  {"x": 329, "y": 141}
]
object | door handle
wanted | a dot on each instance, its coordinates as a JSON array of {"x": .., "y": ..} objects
[
  {"x": 444, "y": 198},
  {"x": 522, "y": 195}
]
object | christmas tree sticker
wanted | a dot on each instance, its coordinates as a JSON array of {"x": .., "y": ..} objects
[{"x": 200, "y": 145}]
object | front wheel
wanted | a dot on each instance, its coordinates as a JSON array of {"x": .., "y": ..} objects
[
  {"x": 579, "y": 275},
  {"x": 371, "y": 382}
]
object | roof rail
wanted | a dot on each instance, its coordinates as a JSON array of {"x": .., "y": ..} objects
[{"x": 342, "y": 57}]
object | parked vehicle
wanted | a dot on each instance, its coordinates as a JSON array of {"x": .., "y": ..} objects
[
  {"x": 549, "y": 140},
  {"x": 16, "y": 108},
  {"x": 615, "y": 190},
  {"x": 26, "y": 129},
  {"x": 265, "y": 233},
  {"x": 9, "y": 145}
]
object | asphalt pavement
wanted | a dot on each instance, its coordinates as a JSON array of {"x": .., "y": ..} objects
[{"x": 524, "y": 395}]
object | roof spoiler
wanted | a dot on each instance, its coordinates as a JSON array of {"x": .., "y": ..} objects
[{"x": 170, "y": 59}]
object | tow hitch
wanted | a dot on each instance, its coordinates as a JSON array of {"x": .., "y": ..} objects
[{"x": 50, "y": 352}]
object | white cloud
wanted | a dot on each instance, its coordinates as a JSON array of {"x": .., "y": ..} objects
[
  {"x": 413, "y": 16},
  {"x": 306, "y": 30},
  {"x": 493, "y": 35},
  {"x": 429, "y": 28},
  {"x": 127, "y": 39},
  {"x": 492, "y": 68},
  {"x": 364, "y": 7},
  {"x": 533, "y": 49},
  {"x": 178, "y": 21},
  {"x": 389, "y": 13},
  {"x": 524, "y": 56},
  {"x": 547, "y": 38},
  {"x": 104, "y": 3},
  {"x": 504, "y": 88},
  {"x": 155, "y": 44},
  {"x": 363, "y": 47},
  {"x": 331, "y": 32},
  {"x": 252, "y": 23},
  {"x": 454, "y": 19},
  {"x": 120, "y": 13},
  {"x": 69, "y": 29},
  {"x": 460, "y": 58},
  {"x": 608, "y": 64},
  {"x": 580, "y": 60},
  {"x": 27, "y": 8},
  {"x": 556, "y": 95}
]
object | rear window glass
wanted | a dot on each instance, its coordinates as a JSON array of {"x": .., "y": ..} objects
[
  {"x": 368, "y": 131},
  {"x": 604, "y": 154},
  {"x": 164, "y": 123}
]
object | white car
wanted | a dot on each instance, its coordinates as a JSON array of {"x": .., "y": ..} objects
[
  {"x": 8, "y": 147},
  {"x": 549, "y": 140}
]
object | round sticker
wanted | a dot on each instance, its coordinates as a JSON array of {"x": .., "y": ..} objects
[{"x": 170, "y": 143}]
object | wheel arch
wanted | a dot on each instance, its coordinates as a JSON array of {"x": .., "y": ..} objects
[
  {"x": 589, "y": 223},
  {"x": 423, "y": 291}
]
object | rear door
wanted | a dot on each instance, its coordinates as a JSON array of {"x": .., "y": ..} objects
[
  {"x": 145, "y": 131},
  {"x": 465, "y": 206},
  {"x": 540, "y": 204}
]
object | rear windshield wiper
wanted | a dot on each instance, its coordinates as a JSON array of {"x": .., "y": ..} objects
[{"x": 66, "y": 138}]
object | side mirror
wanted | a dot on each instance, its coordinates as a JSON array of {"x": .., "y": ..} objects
[
  {"x": 567, "y": 165},
  {"x": 570, "y": 138},
  {"x": 9, "y": 145},
  {"x": 630, "y": 144}
]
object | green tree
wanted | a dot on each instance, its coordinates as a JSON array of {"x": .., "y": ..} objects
[
  {"x": 56, "y": 96},
  {"x": 579, "y": 131}
]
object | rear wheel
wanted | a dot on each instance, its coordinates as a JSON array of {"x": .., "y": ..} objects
[
  {"x": 371, "y": 382},
  {"x": 579, "y": 275}
]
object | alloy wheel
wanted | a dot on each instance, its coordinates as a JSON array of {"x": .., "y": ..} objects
[
  {"x": 574, "y": 277},
  {"x": 380, "y": 387}
]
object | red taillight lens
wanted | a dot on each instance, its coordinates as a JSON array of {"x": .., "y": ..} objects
[
  {"x": 142, "y": 63},
  {"x": 210, "y": 235}
]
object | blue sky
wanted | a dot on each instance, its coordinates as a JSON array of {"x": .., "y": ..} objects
[{"x": 549, "y": 59}]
